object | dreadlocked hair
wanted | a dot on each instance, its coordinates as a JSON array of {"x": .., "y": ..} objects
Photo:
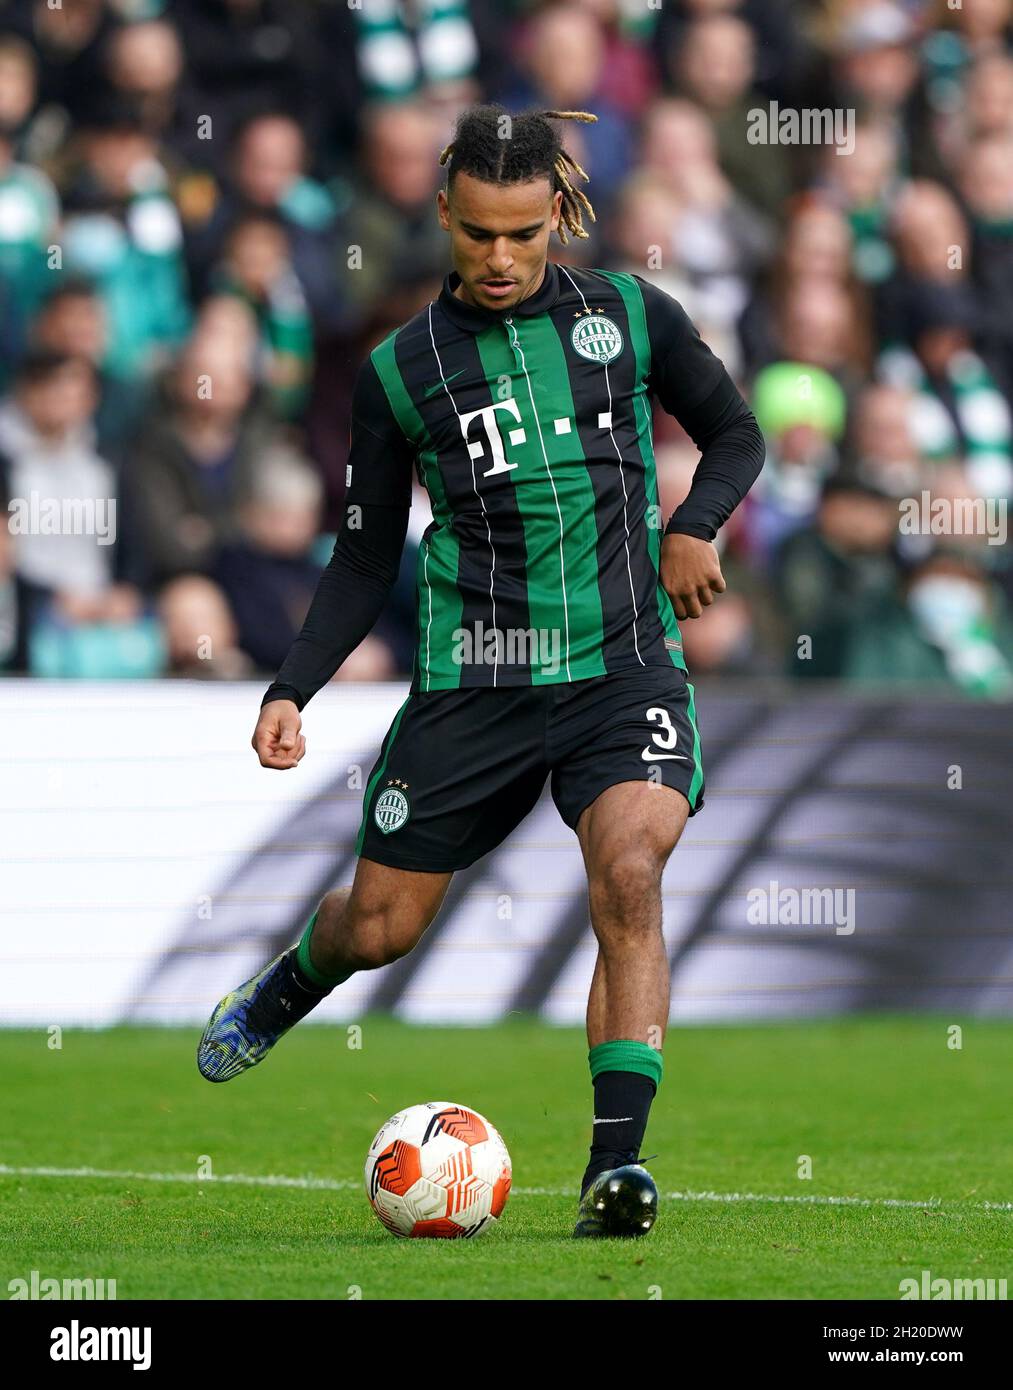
[{"x": 491, "y": 145}]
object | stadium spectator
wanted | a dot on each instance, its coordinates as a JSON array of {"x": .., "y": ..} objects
[
  {"x": 74, "y": 321},
  {"x": 950, "y": 629},
  {"x": 863, "y": 186},
  {"x": 267, "y": 572},
  {"x": 68, "y": 40},
  {"x": 875, "y": 64},
  {"x": 267, "y": 175},
  {"x": 561, "y": 55},
  {"x": 989, "y": 104},
  {"x": 144, "y": 67},
  {"x": 801, "y": 410},
  {"x": 121, "y": 229},
  {"x": 962, "y": 411},
  {"x": 831, "y": 576},
  {"x": 49, "y": 456},
  {"x": 882, "y": 450},
  {"x": 821, "y": 323},
  {"x": 932, "y": 244},
  {"x": 986, "y": 183},
  {"x": 723, "y": 241},
  {"x": 19, "y": 81},
  {"x": 714, "y": 65},
  {"x": 984, "y": 27},
  {"x": 629, "y": 77},
  {"x": 784, "y": 49},
  {"x": 817, "y": 247},
  {"x": 981, "y": 106},
  {"x": 63, "y": 521},
  {"x": 256, "y": 266},
  {"x": 201, "y": 637},
  {"x": 191, "y": 467},
  {"x": 29, "y": 207},
  {"x": 246, "y": 57},
  {"x": 390, "y": 239},
  {"x": 645, "y": 240}
]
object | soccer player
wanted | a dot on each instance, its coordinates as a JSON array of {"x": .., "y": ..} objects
[{"x": 548, "y": 608}]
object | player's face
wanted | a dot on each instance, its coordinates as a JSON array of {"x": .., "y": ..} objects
[{"x": 499, "y": 237}]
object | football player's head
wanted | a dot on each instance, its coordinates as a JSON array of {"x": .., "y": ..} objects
[{"x": 510, "y": 185}]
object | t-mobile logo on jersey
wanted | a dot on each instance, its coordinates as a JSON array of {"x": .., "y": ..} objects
[{"x": 476, "y": 447}]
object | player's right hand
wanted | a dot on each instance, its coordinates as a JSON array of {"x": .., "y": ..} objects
[{"x": 277, "y": 739}]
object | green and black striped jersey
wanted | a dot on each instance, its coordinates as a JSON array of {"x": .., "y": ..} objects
[
  {"x": 530, "y": 428},
  {"x": 531, "y": 431}
]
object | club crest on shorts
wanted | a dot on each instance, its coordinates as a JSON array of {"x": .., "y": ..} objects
[
  {"x": 597, "y": 338},
  {"x": 392, "y": 809}
]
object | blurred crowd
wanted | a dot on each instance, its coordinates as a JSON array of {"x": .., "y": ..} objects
[{"x": 210, "y": 210}]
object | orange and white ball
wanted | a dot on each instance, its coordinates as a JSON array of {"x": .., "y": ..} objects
[{"x": 438, "y": 1170}]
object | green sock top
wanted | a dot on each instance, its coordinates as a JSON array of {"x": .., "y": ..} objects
[
  {"x": 625, "y": 1054},
  {"x": 306, "y": 965}
]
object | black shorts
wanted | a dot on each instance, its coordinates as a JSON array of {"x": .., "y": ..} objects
[{"x": 460, "y": 769}]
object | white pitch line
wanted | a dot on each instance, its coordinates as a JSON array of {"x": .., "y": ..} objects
[
  {"x": 236, "y": 1179},
  {"x": 349, "y": 1184}
]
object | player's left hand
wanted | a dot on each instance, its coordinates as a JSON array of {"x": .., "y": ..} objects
[{"x": 690, "y": 574}]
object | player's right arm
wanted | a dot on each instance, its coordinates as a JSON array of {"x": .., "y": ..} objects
[{"x": 354, "y": 587}]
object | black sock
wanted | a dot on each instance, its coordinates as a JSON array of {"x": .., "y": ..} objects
[
  {"x": 298, "y": 994},
  {"x": 622, "y": 1103},
  {"x": 302, "y": 981}
]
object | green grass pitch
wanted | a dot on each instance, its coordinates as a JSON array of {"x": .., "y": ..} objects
[{"x": 884, "y": 1108}]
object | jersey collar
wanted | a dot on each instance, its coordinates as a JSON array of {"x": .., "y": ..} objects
[{"x": 473, "y": 318}]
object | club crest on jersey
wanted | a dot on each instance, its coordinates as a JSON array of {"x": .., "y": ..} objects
[
  {"x": 392, "y": 809},
  {"x": 597, "y": 338}
]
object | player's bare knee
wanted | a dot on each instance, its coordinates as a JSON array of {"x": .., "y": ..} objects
[{"x": 622, "y": 883}]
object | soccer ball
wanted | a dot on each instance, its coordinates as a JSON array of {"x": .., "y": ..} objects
[{"x": 438, "y": 1169}]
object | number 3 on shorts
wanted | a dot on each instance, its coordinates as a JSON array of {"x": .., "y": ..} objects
[{"x": 666, "y": 738}]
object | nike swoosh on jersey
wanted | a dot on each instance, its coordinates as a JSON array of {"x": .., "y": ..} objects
[
  {"x": 431, "y": 390},
  {"x": 650, "y": 757}
]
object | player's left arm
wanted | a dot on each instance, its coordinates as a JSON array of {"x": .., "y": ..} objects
[{"x": 693, "y": 386}]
